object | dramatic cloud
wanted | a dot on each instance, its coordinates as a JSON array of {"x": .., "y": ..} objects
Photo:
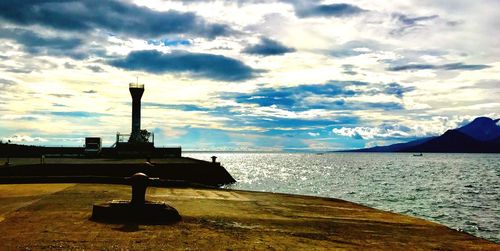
[
  {"x": 308, "y": 9},
  {"x": 34, "y": 43},
  {"x": 415, "y": 20},
  {"x": 112, "y": 15},
  {"x": 407, "y": 24},
  {"x": 268, "y": 47},
  {"x": 396, "y": 89},
  {"x": 204, "y": 70},
  {"x": 447, "y": 67},
  {"x": 198, "y": 65},
  {"x": 334, "y": 95}
]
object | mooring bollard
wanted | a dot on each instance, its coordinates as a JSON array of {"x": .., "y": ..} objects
[
  {"x": 139, "y": 182},
  {"x": 137, "y": 209},
  {"x": 213, "y": 158}
]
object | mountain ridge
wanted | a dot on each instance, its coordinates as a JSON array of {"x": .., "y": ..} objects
[{"x": 482, "y": 135}]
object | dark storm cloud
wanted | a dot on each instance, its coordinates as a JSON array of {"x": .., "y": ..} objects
[
  {"x": 396, "y": 89},
  {"x": 447, "y": 67},
  {"x": 292, "y": 98},
  {"x": 198, "y": 65},
  {"x": 330, "y": 96},
  {"x": 268, "y": 47},
  {"x": 35, "y": 43},
  {"x": 303, "y": 8},
  {"x": 306, "y": 9},
  {"x": 461, "y": 66},
  {"x": 111, "y": 15}
]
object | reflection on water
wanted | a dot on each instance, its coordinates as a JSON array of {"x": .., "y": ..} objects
[{"x": 461, "y": 191}]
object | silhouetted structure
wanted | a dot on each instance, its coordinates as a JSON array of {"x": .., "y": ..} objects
[
  {"x": 137, "y": 209},
  {"x": 139, "y": 182},
  {"x": 140, "y": 143},
  {"x": 93, "y": 146},
  {"x": 136, "y": 91}
]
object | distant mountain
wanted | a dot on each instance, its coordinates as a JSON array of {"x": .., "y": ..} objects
[
  {"x": 482, "y": 135},
  {"x": 496, "y": 141},
  {"x": 482, "y": 129},
  {"x": 393, "y": 148},
  {"x": 454, "y": 141}
]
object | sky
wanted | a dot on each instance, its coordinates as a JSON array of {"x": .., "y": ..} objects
[{"x": 283, "y": 75}]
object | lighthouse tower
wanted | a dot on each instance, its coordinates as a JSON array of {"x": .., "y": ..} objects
[{"x": 136, "y": 91}]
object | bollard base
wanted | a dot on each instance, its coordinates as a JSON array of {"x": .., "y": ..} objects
[{"x": 123, "y": 211}]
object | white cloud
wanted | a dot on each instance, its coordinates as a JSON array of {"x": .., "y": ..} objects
[
  {"x": 434, "y": 126},
  {"x": 24, "y": 138},
  {"x": 461, "y": 33}
]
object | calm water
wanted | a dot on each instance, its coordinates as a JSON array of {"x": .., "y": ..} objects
[{"x": 461, "y": 191}]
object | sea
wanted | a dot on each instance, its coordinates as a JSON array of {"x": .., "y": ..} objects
[{"x": 461, "y": 191}]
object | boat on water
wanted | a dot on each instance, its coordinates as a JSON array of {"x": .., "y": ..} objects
[{"x": 418, "y": 154}]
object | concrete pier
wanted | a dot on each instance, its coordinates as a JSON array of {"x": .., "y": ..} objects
[
  {"x": 57, "y": 216},
  {"x": 72, "y": 169}
]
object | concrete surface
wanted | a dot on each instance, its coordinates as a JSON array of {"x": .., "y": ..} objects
[{"x": 56, "y": 216}]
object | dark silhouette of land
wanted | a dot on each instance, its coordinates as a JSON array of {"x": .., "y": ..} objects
[{"x": 482, "y": 135}]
